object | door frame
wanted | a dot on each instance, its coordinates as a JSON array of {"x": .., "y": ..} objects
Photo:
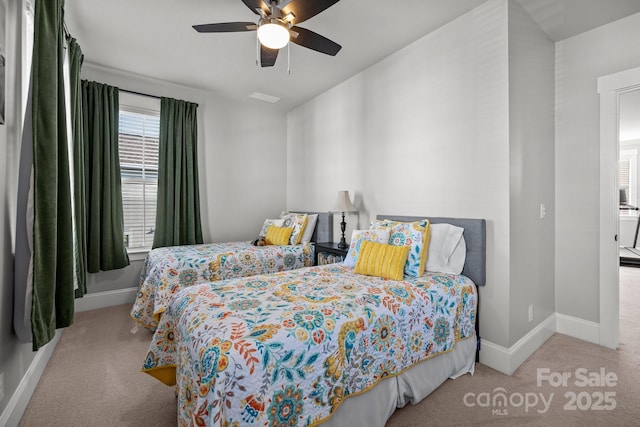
[{"x": 610, "y": 87}]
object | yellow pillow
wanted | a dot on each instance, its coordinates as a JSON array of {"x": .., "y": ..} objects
[
  {"x": 303, "y": 226},
  {"x": 278, "y": 235},
  {"x": 382, "y": 260}
]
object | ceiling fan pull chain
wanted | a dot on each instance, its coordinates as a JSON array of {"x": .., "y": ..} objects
[
  {"x": 257, "y": 51},
  {"x": 289, "y": 59}
]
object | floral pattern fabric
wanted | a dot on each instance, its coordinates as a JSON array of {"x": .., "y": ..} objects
[
  {"x": 288, "y": 348},
  {"x": 167, "y": 270}
]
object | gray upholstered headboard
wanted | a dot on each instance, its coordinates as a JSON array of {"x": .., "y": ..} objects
[
  {"x": 324, "y": 227},
  {"x": 475, "y": 237}
]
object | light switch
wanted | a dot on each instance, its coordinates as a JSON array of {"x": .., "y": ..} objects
[{"x": 543, "y": 211}]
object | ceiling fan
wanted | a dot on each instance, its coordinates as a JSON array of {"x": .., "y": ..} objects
[{"x": 278, "y": 25}]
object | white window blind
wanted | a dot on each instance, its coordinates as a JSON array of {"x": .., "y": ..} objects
[
  {"x": 627, "y": 175},
  {"x": 623, "y": 177},
  {"x": 139, "y": 135}
]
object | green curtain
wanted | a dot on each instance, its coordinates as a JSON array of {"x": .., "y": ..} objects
[
  {"x": 105, "y": 221},
  {"x": 79, "y": 165},
  {"x": 178, "y": 205},
  {"x": 53, "y": 253}
]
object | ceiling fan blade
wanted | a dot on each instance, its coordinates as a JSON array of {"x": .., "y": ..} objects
[
  {"x": 254, "y": 5},
  {"x": 315, "y": 41},
  {"x": 268, "y": 56},
  {"x": 225, "y": 27},
  {"x": 304, "y": 9}
]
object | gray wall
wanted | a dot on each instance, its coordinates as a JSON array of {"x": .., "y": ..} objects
[
  {"x": 580, "y": 60},
  {"x": 423, "y": 132},
  {"x": 531, "y": 172},
  {"x": 459, "y": 123}
]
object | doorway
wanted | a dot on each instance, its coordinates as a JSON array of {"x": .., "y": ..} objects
[
  {"x": 629, "y": 137},
  {"x": 611, "y": 88}
]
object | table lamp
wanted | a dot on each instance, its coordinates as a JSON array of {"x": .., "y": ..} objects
[{"x": 343, "y": 205}]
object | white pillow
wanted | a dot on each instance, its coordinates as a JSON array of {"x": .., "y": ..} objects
[
  {"x": 447, "y": 249},
  {"x": 308, "y": 230},
  {"x": 380, "y": 235}
]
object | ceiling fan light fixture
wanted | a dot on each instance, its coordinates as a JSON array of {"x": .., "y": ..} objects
[{"x": 273, "y": 36}]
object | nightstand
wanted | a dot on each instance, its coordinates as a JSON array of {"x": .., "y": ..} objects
[{"x": 329, "y": 253}]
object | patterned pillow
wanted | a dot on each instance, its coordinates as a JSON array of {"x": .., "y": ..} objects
[
  {"x": 380, "y": 235},
  {"x": 414, "y": 234},
  {"x": 312, "y": 219},
  {"x": 267, "y": 223},
  {"x": 296, "y": 221},
  {"x": 382, "y": 260}
]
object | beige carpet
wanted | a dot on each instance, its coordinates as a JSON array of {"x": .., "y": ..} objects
[{"x": 93, "y": 379}]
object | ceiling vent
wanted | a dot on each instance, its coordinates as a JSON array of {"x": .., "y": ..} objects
[{"x": 264, "y": 97}]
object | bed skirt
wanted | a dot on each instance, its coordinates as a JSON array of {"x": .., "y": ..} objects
[{"x": 375, "y": 407}]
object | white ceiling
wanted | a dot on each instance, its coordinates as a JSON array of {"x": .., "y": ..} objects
[
  {"x": 562, "y": 19},
  {"x": 154, "y": 38}
]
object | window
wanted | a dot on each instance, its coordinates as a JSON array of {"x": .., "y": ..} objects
[
  {"x": 624, "y": 179},
  {"x": 27, "y": 52},
  {"x": 627, "y": 176},
  {"x": 139, "y": 136}
]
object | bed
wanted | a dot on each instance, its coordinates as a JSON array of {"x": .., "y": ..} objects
[
  {"x": 320, "y": 344},
  {"x": 169, "y": 269}
]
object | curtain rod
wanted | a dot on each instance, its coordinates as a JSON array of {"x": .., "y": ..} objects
[
  {"x": 139, "y": 93},
  {"x": 150, "y": 96}
]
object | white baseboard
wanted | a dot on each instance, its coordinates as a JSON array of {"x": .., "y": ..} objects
[
  {"x": 106, "y": 299},
  {"x": 495, "y": 356},
  {"x": 578, "y": 328},
  {"x": 507, "y": 360},
  {"x": 14, "y": 410}
]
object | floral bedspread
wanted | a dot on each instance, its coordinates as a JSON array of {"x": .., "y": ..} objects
[
  {"x": 167, "y": 270},
  {"x": 287, "y": 349}
]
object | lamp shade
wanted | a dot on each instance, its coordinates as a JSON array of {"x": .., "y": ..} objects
[{"x": 343, "y": 203}]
